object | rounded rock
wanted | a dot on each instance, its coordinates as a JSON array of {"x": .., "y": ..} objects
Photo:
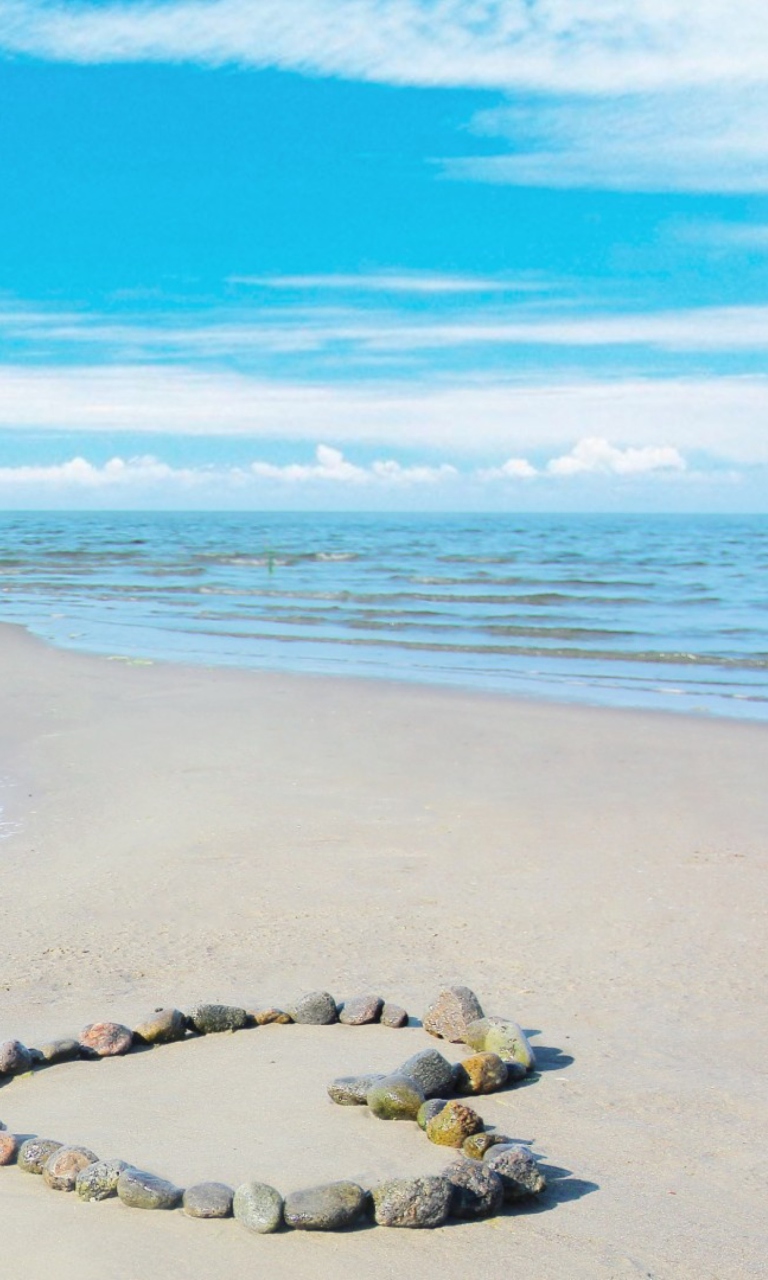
[
  {"x": 453, "y": 1124},
  {"x": 14, "y": 1058},
  {"x": 34, "y": 1153},
  {"x": 106, "y": 1039},
  {"x": 352, "y": 1091},
  {"x": 316, "y": 1008},
  {"x": 482, "y": 1073},
  {"x": 258, "y": 1207},
  {"x": 503, "y": 1037},
  {"x": 361, "y": 1010},
  {"x": 62, "y": 1167},
  {"x": 519, "y": 1172},
  {"x": 209, "y": 1019},
  {"x": 451, "y": 1012},
  {"x": 9, "y": 1147},
  {"x": 163, "y": 1026},
  {"x": 428, "y": 1110},
  {"x": 208, "y": 1200},
  {"x": 412, "y": 1202},
  {"x": 477, "y": 1190},
  {"x": 99, "y": 1181},
  {"x": 60, "y": 1051},
  {"x": 395, "y": 1098},
  {"x": 328, "y": 1208},
  {"x": 141, "y": 1190},
  {"x": 431, "y": 1071},
  {"x": 263, "y": 1017},
  {"x": 393, "y": 1015},
  {"x": 476, "y": 1145}
]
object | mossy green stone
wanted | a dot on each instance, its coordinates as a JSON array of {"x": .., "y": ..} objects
[
  {"x": 432, "y": 1107},
  {"x": 454, "y": 1123},
  {"x": 501, "y": 1036},
  {"x": 395, "y": 1098}
]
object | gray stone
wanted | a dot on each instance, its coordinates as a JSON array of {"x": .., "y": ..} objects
[
  {"x": 141, "y": 1190},
  {"x": 519, "y": 1172},
  {"x": 450, "y": 1013},
  {"x": 352, "y": 1091},
  {"x": 428, "y": 1110},
  {"x": 258, "y": 1206},
  {"x": 162, "y": 1027},
  {"x": 361, "y": 1010},
  {"x": 99, "y": 1181},
  {"x": 60, "y": 1051},
  {"x": 106, "y": 1039},
  {"x": 393, "y": 1015},
  {"x": 209, "y": 1019},
  {"x": 208, "y": 1200},
  {"x": 317, "y": 1008},
  {"x": 395, "y": 1098},
  {"x": 14, "y": 1058},
  {"x": 412, "y": 1202},
  {"x": 503, "y": 1037},
  {"x": 328, "y": 1208},
  {"x": 34, "y": 1153},
  {"x": 62, "y": 1167},
  {"x": 477, "y": 1190},
  {"x": 431, "y": 1071}
]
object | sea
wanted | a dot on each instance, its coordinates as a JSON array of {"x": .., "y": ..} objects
[{"x": 654, "y": 612}]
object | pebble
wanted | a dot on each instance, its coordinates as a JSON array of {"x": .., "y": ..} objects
[
  {"x": 317, "y": 1008},
  {"x": 412, "y": 1202},
  {"x": 34, "y": 1152},
  {"x": 60, "y": 1051},
  {"x": 99, "y": 1181},
  {"x": 453, "y": 1124},
  {"x": 62, "y": 1167},
  {"x": 162, "y": 1027},
  {"x": 395, "y": 1097},
  {"x": 482, "y": 1073},
  {"x": 258, "y": 1206},
  {"x": 14, "y": 1058},
  {"x": 106, "y": 1039},
  {"x": 476, "y": 1145},
  {"x": 263, "y": 1017},
  {"x": 519, "y": 1172},
  {"x": 361, "y": 1010},
  {"x": 352, "y": 1091},
  {"x": 428, "y": 1110},
  {"x": 501, "y": 1036},
  {"x": 477, "y": 1190},
  {"x": 208, "y": 1019},
  {"x": 393, "y": 1015},
  {"x": 328, "y": 1208},
  {"x": 431, "y": 1071},
  {"x": 141, "y": 1190},
  {"x": 208, "y": 1200},
  {"x": 451, "y": 1012},
  {"x": 9, "y": 1147}
]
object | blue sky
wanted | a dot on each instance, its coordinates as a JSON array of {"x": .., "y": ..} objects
[{"x": 488, "y": 254}]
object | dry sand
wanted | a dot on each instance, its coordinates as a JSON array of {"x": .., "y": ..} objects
[{"x": 192, "y": 834}]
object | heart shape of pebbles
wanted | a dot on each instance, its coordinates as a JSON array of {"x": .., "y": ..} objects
[{"x": 488, "y": 1170}]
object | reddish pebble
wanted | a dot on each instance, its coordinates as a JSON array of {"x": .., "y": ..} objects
[
  {"x": 8, "y": 1148},
  {"x": 106, "y": 1039}
]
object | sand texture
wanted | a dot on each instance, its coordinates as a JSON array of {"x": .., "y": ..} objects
[{"x": 188, "y": 835}]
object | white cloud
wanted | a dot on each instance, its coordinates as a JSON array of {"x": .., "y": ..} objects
[
  {"x": 384, "y": 282},
  {"x": 596, "y": 455},
  {"x": 78, "y": 473},
  {"x": 512, "y": 469},
  {"x": 330, "y": 464}
]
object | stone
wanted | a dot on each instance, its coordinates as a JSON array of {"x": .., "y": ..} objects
[
  {"x": 412, "y": 1202},
  {"x": 208, "y": 1200},
  {"x": 106, "y": 1039},
  {"x": 476, "y": 1145},
  {"x": 482, "y": 1073},
  {"x": 352, "y": 1091},
  {"x": 209, "y": 1019},
  {"x": 519, "y": 1172},
  {"x": 162, "y": 1027},
  {"x": 263, "y": 1017},
  {"x": 140, "y": 1190},
  {"x": 328, "y": 1208},
  {"x": 451, "y": 1012},
  {"x": 477, "y": 1190},
  {"x": 62, "y": 1167},
  {"x": 258, "y": 1206},
  {"x": 60, "y": 1051},
  {"x": 34, "y": 1153},
  {"x": 9, "y": 1147},
  {"x": 317, "y": 1008},
  {"x": 361, "y": 1010},
  {"x": 428, "y": 1109},
  {"x": 392, "y": 1015},
  {"x": 99, "y": 1181},
  {"x": 453, "y": 1124},
  {"x": 14, "y": 1058},
  {"x": 501, "y": 1036},
  {"x": 431, "y": 1071},
  {"x": 395, "y": 1098}
]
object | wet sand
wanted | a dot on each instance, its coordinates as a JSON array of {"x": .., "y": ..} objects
[{"x": 187, "y": 834}]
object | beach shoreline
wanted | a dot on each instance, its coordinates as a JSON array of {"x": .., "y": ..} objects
[{"x": 198, "y": 833}]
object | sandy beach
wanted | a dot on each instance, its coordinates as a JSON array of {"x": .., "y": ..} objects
[{"x": 180, "y": 834}]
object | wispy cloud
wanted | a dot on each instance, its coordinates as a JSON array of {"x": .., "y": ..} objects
[{"x": 391, "y": 282}]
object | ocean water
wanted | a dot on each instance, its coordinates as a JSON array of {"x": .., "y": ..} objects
[{"x": 656, "y": 612}]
